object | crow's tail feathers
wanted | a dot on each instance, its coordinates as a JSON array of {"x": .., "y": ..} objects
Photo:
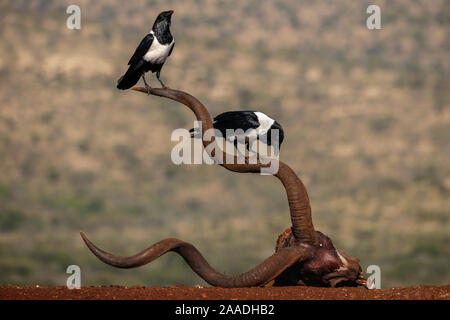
[{"x": 129, "y": 79}]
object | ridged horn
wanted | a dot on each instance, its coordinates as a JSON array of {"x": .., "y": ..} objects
[
  {"x": 258, "y": 276},
  {"x": 299, "y": 205}
]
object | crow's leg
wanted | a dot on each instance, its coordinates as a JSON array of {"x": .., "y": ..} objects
[
  {"x": 158, "y": 77},
  {"x": 235, "y": 142},
  {"x": 239, "y": 153},
  {"x": 250, "y": 142},
  {"x": 146, "y": 84}
]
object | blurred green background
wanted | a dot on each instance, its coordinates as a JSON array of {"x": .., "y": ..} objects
[{"x": 366, "y": 116}]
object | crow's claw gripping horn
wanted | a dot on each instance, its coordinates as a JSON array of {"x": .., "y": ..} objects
[
  {"x": 303, "y": 256},
  {"x": 268, "y": 270}
]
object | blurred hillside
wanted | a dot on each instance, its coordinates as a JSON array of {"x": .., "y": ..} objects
[{"x": 366, "y": 116}]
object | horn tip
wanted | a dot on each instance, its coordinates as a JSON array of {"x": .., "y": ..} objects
[{"x": 85, "y": 239}]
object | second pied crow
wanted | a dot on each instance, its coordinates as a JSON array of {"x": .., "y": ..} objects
[{"x": 255, "y": 125}]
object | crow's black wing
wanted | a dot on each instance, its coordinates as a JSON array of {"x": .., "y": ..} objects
[
  {"x": 141, "y": 50},
  {"x": 236, "y": 120}
]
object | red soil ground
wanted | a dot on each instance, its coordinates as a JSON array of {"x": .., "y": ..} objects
[{"x": 210, "y": 293}]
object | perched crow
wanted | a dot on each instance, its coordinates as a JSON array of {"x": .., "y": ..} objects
[
  {"x": 258, "y": 124},
  {"x": 151, "y": 53}
]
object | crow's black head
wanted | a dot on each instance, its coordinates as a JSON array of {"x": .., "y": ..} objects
[
  {"x": 162, "y": 22},
  {"x": 164, "y": 17}
]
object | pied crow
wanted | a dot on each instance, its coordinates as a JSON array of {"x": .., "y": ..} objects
[
  {"x": 151, "y": 53},
  {"x": 255, "y": 125}
]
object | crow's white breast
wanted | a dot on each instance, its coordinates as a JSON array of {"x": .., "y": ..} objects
[{"x": 158, "y": 52}]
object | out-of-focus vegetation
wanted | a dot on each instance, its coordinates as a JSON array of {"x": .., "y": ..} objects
[{"x": 366, "y": 116}]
